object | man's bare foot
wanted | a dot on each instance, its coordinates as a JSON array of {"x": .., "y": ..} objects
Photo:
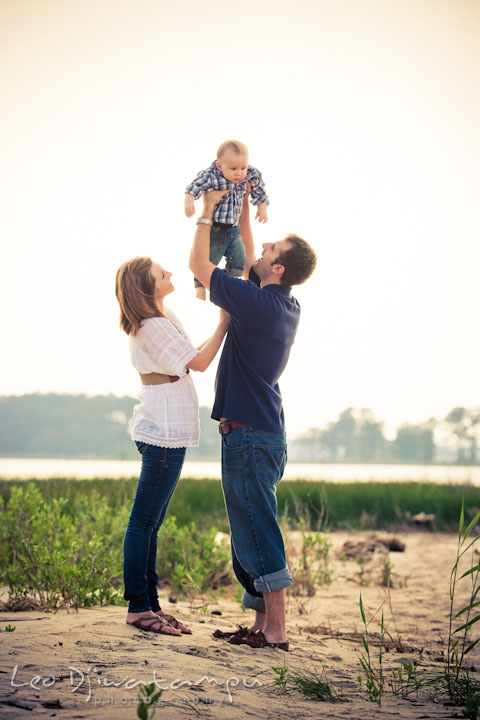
[
  {"x": 257, "y": 625},
  {"x": 148, "y": 620},
  {"x": 201, "y": 293}
]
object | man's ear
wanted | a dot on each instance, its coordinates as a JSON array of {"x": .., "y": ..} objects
[{"x": 278, "y": 269}]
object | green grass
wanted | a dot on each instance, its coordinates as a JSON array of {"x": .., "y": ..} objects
[
  {"x": 56, "y": 552},
  {"x": 312, "y": 682},
  {"x": 370, "y": 505}
]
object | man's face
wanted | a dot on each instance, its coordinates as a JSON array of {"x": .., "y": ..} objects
[
  {"x": 271, "y": 251},
  {"x": 233, "y": 166}
]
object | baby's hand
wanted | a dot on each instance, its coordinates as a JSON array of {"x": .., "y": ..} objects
[
  {"x": 261, "y": 215},
  {"x": 189, "y": 205}
]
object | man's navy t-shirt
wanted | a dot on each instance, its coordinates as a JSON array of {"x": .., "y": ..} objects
[{"x": 262, "y": 330}]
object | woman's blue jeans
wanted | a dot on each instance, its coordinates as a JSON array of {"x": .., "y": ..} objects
[{"x": 161, "y": 468}]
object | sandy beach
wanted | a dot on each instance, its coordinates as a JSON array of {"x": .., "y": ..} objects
[{"x": 89, "y": 664}]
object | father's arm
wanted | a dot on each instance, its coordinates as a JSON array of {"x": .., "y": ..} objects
[{"x": 200, "y": 264}]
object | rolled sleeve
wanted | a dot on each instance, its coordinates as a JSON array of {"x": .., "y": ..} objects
[
  {"x": 258, "y": 194},
  {"x": 204, "y": 181}
]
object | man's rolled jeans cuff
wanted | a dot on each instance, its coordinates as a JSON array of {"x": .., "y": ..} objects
[
  {"x": 273, "y": 581},
  {"x": 252, "y": 602}
]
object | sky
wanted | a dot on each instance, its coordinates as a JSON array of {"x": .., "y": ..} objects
[{"x": 362, "y": 116}]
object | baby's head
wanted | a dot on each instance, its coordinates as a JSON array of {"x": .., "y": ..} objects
[{"x": 232, "y": 160}]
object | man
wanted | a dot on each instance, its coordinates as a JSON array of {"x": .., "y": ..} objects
[{"x": 248, "y": 403}]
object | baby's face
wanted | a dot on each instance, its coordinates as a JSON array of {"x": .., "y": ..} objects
[{"x": 233, "y": 166}]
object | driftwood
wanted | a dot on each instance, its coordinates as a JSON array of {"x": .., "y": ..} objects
[
  {"x": 424, "y": 520},
  {"x": 373, "y": 544}
]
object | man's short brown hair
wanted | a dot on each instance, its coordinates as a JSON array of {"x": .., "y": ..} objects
[
  {"x": 299, "y": 261},
  {"x": 233, "y": 145}
]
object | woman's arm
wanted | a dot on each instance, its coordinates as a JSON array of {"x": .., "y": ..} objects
[{"x": 208, "y": 349}]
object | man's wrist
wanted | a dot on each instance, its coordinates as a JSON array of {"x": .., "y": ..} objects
[
  {"x": 204, "y": 221},
  {"x": 207, "y": 211}
]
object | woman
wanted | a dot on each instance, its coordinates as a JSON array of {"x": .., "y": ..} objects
[{"x": 164, "y": 424}]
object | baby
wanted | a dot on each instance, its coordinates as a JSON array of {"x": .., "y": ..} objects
[{"x": 230, "y": 171}]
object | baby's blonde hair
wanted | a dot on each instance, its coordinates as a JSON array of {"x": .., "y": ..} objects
[{"x": 234, "y": 145}]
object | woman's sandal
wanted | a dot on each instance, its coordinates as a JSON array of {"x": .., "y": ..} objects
[
  {"x": 155, "y": 625},
  {"x": 173, "y": 622}
]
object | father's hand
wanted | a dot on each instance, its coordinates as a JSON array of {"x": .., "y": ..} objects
[{"x": 210, "y": 199}]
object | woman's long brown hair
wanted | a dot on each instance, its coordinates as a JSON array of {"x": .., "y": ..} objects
[{"x": 135, "y": 289}]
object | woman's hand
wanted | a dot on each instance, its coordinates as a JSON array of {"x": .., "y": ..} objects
[{"x": 208, "y": 349}]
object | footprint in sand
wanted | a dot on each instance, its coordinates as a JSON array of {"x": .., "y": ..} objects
[{"x": 203, "y": 652}]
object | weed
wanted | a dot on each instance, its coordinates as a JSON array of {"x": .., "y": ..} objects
[
  {"x": 52, "y": 559},
  {"x": 456, "y": 677},
  {"x": 396, "y": 639},
  {"x": 280, "y": 682},
  {"x": 147, "y": 698},
  {"x": 58, "y": 553},
  {"x": 405, "y": 680},
  {"x": 311, "y": 683},
  {"x": 10, "y": 628},
  {"x": 192, "y": 560},
  {"x": 361, "y": 574},
  {"x": 310, "y": 566},
  {"x": 373, "y": 673},
  {"x": 386, "y": 568}
]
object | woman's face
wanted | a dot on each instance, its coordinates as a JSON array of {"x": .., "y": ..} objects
[{"x": 163, "y": 285}]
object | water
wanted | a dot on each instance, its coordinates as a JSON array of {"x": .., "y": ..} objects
[{"x": 11, "y": 468}]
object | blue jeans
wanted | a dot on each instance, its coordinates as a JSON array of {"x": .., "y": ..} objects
[
  {"x": 161, "y": 468},
  {"x": 227, "y": 243},
  {"x": 253, "y": 462}
]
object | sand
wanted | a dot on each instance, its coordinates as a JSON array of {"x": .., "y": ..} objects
[{"x": 88, "y": 664}]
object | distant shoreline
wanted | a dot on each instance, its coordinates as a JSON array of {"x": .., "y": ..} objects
[
  {"x": 212, "y": 459},
  {"x": 44, "y": 468}
]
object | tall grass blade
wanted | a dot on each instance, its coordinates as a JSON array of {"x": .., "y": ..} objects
[
  {"x": 469, "y": 545},
  {"x": 471, "y": 646},
  {"x": 467, "y": 625},
  {"x": 454, "y": 645},
  {"x": 470, "y": 527},
  {"x": 462, "y": 518},
  {"x": 471, "y": 571},
  {"x": 362, "y": 610},
  {"x": 467, "y": 608}
]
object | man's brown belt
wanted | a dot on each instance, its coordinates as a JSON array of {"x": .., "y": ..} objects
[
  {"x": 227, "y": 426},
  {"x": 157, "y": 378}
]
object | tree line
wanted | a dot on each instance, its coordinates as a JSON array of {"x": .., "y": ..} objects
[
  {"x": 357, "y": 436},
  {"x": 54, "y": 425},
  {"x": 77, "y": 426}
]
